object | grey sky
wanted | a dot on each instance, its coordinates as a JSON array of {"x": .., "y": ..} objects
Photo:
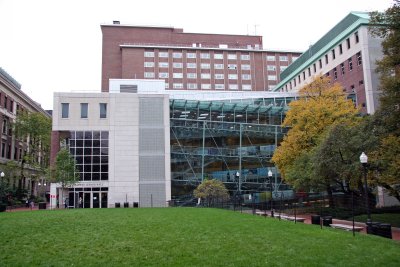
[{"x": 55, "y": 45}]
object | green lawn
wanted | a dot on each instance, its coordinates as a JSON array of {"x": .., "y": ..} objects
[
  {"x": 180, "y": 237},
  {"x": 392, "y": 218}
]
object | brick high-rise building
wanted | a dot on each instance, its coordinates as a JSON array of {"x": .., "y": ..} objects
[{"x": 190, "y": 61}]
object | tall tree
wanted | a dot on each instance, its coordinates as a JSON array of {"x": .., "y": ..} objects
[
  {"x": 320, "y": 106},
  {"x": 64, "y": 171},
  {"x": 387, "y": 26},
  {"x": 36, "y": 129}
]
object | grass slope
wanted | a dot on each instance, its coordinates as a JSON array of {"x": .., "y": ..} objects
[{"x": 180, "y": 237}]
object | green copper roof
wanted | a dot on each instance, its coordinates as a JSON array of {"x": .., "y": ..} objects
[{"x": 349, "y": 24}]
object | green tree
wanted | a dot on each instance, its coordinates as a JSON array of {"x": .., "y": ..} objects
[
  {"x": 35, "y": 128},
  {"x": 211, "y": 191},
  {"x": 320, "y": 106},
  {"x": 64, "y": 171}
]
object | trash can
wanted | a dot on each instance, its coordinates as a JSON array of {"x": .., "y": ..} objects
[
  {"x": 380, "y": 229},
  {"x": 42, "y": 205},
  {"x": 327, "y": 220},
  {"x": 385, "y": 230},
  {"x": 117, "y": 205},
  {"x": 135, "y": 204},
  {"x": 126, "y": 204},
  {"x": 315, "y": 219}
]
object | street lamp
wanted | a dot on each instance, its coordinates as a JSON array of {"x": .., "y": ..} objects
[
  {"x": 364, "y": 162},
  {"x": 2, "y": 175},
  {"x": 270, "y": 188}
]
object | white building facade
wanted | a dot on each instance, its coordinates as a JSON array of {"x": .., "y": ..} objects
[{"x": 120, "y": 142}]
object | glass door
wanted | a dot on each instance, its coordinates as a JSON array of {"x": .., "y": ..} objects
[
  {"x": 104, "y": 200},
  {"x": 96, "y": 200},
  {"x": 86, "y": 200}
]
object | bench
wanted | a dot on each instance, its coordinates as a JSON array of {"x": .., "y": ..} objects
[
  {"x": 346, "y": 227},
  {"x": 291, "y": 218}
]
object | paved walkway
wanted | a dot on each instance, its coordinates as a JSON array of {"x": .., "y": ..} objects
[{"x": 395, "y": 230}]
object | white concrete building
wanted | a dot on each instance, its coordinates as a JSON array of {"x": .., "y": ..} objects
[{"x": 121, "y": 145}]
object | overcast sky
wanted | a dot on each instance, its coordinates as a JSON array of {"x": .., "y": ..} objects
[{"x": 55, "y": 45}]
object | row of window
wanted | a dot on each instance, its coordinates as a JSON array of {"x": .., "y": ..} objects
[
  {"x": 310, "y": 71},
  {"x": 179, "y": 65},
  {"x": 218, "y": 76},
  {"x": 206, "y": 86},
  {"x": 84, "y": 110},
  {"x": 215, "y": 56}
]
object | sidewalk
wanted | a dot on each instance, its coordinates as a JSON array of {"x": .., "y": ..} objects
[{"x": 395, "y": 230}]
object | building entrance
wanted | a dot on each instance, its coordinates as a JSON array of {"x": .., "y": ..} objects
[{"x": 88, "y": 197}]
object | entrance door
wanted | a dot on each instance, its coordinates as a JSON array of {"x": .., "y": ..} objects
[
  {"x": 86, "y": 200},
  {"x": 104, "y": 200},
  {"x": 96, "y": 200}
]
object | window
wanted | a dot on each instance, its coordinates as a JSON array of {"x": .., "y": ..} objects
[
  {"x": 177, "y": 75},
  {"x": 219, "y": 76},
  {"x": 191, "y": 65},
  {"x": 205, "y": 55},
  {"x": 218, "y": 66},
  {"x": 5, "y": 123},
  {"x": 357, "y": 38},
  {"x": 219, "y": 86},
  {"x": 204, "y": 65},
  {"x": 283, "y": 58},
  {"x": 299, "y": 79},
  {"x": 320, "y": 63},
  {"x": 149, "y": 74},
  {"x": 335, "y": 73},
  {"x": 326, "y": 59},
  {"x": 218, "y": 56},
  {"x": 205, "y": 76},
  {"x": 163, "y": 64},
  {"x": 359, "y": 59},
  {"x": 177, "y": 85},
  {"x": 149, "y": 64},
  {"x": 246, "y": 77},
  {"x": 246, "y": 87},
  {"x": 232, "y": 66},
  {"x": 163, "y": 75},
  {"x": 64, "y": 110},
  {"x": 191, "y": 55},
  {"x": 270, "y": 58},
  {"x": 232, "y": 76},
  {"x": 315, "y": 68},
  {"x": 348, "y": 43},
  {"x": 162, "y": 54},
  {"x": 84, "y": 110},
  {"x": 206, "y": 86},
  {"x": 304, "y": 75},
  {"x": 103, "y": 110},
  {"x": 233, "y": 87},
  {"x": 245, "y": 57},
  {"x": 232, "y": 56},
  {"x": 361, "y": 82},
  {"x": 177, "y": 65},
  {"x": 333, "y": 54},
  {"x": 272, "y": 77},
  {"x": 309, "y": 71},
  {"x": 271, "y": 67},
  {"x": 342, "y": 68},
  {"x": 5, "y": 102},
  {"x": 340, "y": 49},
  {"x": 191, "y": 75},
  {"x": 177, "y": 55},
  {"x": 148, "y": 54},
  {"x": 245, "y": 67},
  {"x": 192, "y": 85},
  {"x": 350, "y": 62}
]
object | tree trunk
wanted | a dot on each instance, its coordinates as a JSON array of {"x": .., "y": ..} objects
[{"x": 330, "y": 196}]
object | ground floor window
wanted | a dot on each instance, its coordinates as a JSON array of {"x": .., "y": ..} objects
[{"x": 92, "y": 197}]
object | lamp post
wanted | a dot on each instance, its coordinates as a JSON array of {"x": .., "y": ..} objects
[
  {"x": 2, "y": 175},
  {"x": 270, "y": 189},
  {"x": 364, "y": 162}
]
